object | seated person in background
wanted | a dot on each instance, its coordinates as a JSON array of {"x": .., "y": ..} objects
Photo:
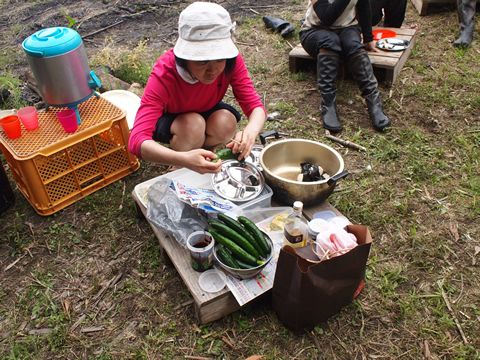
[
  {"x": 393, "y": 12},
  {"x": 330, "y": 32},
  {"x": 182, "y": 103}
]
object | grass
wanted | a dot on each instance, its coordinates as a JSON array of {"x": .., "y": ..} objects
[
  {"x": 13, "y": 84},
  {"x": 132, "y": 63}
]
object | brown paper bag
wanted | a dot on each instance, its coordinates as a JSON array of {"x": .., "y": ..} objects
[{"x": 305, "y": 293}]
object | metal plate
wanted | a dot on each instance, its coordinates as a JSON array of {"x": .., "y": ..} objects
[
  {"x": 254, "y": 157},
  {"x": 393, "y": 44},
  {"x": 237, "y": 181}
]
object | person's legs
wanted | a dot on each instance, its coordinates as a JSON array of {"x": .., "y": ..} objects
[
  {"x": 361, "y": 68},
  {"x": 466, "y": 12},
  {"x": 188, "y": 132},
  {"x": 193, "y": 130},
  {"x": 394, "y": 11},
  {"x": 221, "y": 127},
  {"x": 377, "y": 10},
  {"x": 325, "y": 47}
]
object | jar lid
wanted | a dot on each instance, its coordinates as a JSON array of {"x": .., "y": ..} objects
[
  {"x": 51, "y": 42},
  {"x": 238, "y": 181},
  {"x": 326, "y": 215},
  {"x": 316, "y": 225},
  {"x": 212, "y": 280}
]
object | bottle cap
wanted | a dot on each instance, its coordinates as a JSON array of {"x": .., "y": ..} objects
[{"x": 298, "y": 205}]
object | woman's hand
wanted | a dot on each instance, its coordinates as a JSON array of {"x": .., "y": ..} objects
[
  {"x": 371, "y": 46},
  {"x": 245, "y": 139},
  {"x": 199, "y": 160},
  {"x": 243, "y": 144}
]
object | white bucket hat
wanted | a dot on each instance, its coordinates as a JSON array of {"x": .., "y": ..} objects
[{"x": 205, "y": 33}]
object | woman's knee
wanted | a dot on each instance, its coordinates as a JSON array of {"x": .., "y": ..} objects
[
  {"x": 189, "y": 128},
  {"x": 221, "y": 125}
]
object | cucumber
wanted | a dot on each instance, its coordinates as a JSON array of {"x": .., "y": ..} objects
[
  {"x": 255, "y": 231},
  {"x": 243, "y": 265},
  {"x": 235, "y": 236},
  {"x": 227, "y": 258},
  {"x": 239, "y": 228},
  {"x": 225, "y": 154},
  {"x": 234, "y": 248}
]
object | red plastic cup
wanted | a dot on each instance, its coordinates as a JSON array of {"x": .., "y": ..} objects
[
  {"x": 11, "y": 126},
  {"x": 29, "y": 117},
  {"x": 68, "y": 119}
]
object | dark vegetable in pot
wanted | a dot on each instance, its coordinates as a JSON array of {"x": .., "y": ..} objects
[{"x": 312, "y": 173}]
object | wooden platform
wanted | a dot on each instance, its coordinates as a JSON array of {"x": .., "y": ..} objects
[
  {"x": 208, "y": 307},
  {"x": 422, "y": 5},
  {"x": 386, "y": 64}
]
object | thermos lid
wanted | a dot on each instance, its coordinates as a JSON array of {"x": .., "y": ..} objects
[{"x": 52, "y": 42}]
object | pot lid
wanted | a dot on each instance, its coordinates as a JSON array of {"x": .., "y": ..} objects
[
  {"x": 52, "y": 42},
  {"x": 238, "y": 181}
]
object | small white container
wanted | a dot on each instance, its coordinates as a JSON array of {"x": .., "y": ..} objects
[
  {"x": 212, "y": 280},
  {"x": 315, "y": 226},
  {"x": 340, "y": 221}
]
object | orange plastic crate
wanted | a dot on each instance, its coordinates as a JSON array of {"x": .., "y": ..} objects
[{"x": 53, "y": 168}]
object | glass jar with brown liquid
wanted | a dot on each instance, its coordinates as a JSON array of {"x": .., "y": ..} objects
[{"x": 296, "y": 227}]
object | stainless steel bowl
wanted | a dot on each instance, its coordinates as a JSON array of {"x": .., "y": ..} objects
[
  {"x": 281, "y": 161},
  {"x": 244, "y": 273}
]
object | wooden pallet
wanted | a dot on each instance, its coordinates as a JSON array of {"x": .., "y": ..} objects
[
  {"x": 422, "y": 5},
  {"x": 386, "y": 64},
  {"x": 208, "y": 307}
]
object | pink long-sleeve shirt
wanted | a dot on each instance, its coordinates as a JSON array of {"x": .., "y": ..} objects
[{"x": 167, "y": 92}]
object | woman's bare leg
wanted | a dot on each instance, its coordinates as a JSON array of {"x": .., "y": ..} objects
[
  {"x": 188, "y": 131},
  {"x": 221, "y": 127}
]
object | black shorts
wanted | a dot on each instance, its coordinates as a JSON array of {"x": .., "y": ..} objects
[{"x": 162, "y": 130}]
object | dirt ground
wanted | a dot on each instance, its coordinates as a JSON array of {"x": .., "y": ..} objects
[{"x": 95, "y": 272}]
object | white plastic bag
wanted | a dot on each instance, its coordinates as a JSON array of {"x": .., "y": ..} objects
[
  {"x": 171, "y": 215},
  {"x": 334, "y": 240}
]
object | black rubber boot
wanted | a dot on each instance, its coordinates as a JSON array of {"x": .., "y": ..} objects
[
  {"x": 361, "y": 69},
  {"x": 327, "y": 70},
  {"x": 466, "y": 12},
  {"x": 279, "y": 25}
]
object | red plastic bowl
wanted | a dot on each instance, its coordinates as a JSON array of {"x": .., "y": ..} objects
[{"x": 383, "y": 33}]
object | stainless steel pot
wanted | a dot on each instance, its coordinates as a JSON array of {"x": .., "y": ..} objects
[
  {"x": 59, "y": 64},
  {"x": 281, "y": 165}
]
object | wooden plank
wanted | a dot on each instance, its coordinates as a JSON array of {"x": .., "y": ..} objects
[
  {"x": 224, "y": 301},
  {"x": 422, "y": 5},
  {"x": 391, "y": 61},
  {"x": 208, "y": 306}
]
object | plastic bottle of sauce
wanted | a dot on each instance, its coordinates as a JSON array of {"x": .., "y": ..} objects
[{"x": 295, "y": 231}]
